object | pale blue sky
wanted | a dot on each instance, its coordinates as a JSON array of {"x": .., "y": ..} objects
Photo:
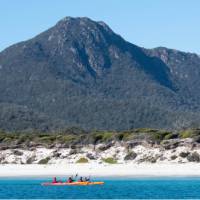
[{"x": 148, "y": 23}]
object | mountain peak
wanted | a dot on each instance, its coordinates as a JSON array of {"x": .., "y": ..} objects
[
  {"x": 78, "y": 20},
  {"x": 82, "y": 25},
  {"x": 68, "y": 18},
  {"x": 81, "y": 29},
  {"x": 83, "y": 74}
]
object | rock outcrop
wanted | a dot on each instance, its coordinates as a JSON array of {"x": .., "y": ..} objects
[{"x": 118, "y": 152}]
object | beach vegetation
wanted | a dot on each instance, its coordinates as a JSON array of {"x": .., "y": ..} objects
[
  {"x": 110, "y": 160},
  {"x": 189, "y": 133},
  {"x": 170, "y": 135},
  {"x": 69, "y": 139},
  {"x": 44, "y": 161},
  {"x": 82, "y": 160}
]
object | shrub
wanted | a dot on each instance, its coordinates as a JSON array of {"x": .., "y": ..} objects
[
  {"x": 67, "y": 138},
  {"x": 23, "y": 138},
  {"x": 124, "y": 136},
  {"x": 160, "y": 135},
  {"x": 44, "y": 161},
  {"x": 107, "y": 136},
  {"x": 186, "y": 134},
  {"x": 120, "y": 136},
  {"x": 110, "y": 160},
  {"x": 82, "y": 160},
  {"x": 97, "y": 138},
  {"x": 154, "y": 135},
  {"x": 170, "y": 136},
  {"x": 101, "y": 137},
  {"x": 190, "y": 133},
  {"x": 145, "y": 130},
  {"x": 47, "y": 139}
]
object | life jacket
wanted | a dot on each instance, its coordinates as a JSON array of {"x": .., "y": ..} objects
[{"x": 54, "y": 180}]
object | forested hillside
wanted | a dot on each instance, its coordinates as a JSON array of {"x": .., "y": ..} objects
[{"x": 79, "y": 73}]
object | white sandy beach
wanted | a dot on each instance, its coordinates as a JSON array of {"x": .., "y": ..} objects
[
  {"x": 131, "y": 170},
  {"x": 145, "y": 160}
]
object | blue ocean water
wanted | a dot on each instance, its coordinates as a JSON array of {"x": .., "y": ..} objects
[{"x": 135, "y": 188}]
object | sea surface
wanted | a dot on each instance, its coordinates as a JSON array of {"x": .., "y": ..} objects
[{"x": 133, "y": 188}]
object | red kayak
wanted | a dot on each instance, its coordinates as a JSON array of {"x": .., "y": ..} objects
[{"x": 73, "y": 183}]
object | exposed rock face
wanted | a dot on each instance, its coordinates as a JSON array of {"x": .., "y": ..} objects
[
  {"x": 104, "y": 147},
  {"x": 184, "y": 154},
  {"x": 30, "y": 160},
  {"x": 117, "y": 152},
  {"x": 170, "y": 144},
  {"x": 130, "y": 156},
  {"x": 80, "y": 73},
  {"x": 91, "y": 156},
  {"x": 193, "y": 157},
  {"x": 173, "y": 157},
  {"x": 56, "y": 154},
  {"x": 17, "y": 153}
]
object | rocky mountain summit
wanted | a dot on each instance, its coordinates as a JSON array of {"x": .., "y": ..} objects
[{"x": 79, "y": 73}]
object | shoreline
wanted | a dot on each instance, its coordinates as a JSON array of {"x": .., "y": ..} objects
[{"x": 100, "y": 170}]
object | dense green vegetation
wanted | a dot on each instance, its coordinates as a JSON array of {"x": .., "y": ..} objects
[
  {"x": 110, "y": 160},
  {"x": 44, "y": 161},
  {"x": 82, "y": 160},
  {"x": 96, "y": 80},
  {"x": 80, "y": 137}
]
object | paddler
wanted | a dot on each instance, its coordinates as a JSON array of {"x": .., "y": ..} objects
[
  {"x": 87, "y": 179},
  {"x": 54, "y": 180},
  {"x": 70, "y": 180},
  {"x": 81, "y": 179}
]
